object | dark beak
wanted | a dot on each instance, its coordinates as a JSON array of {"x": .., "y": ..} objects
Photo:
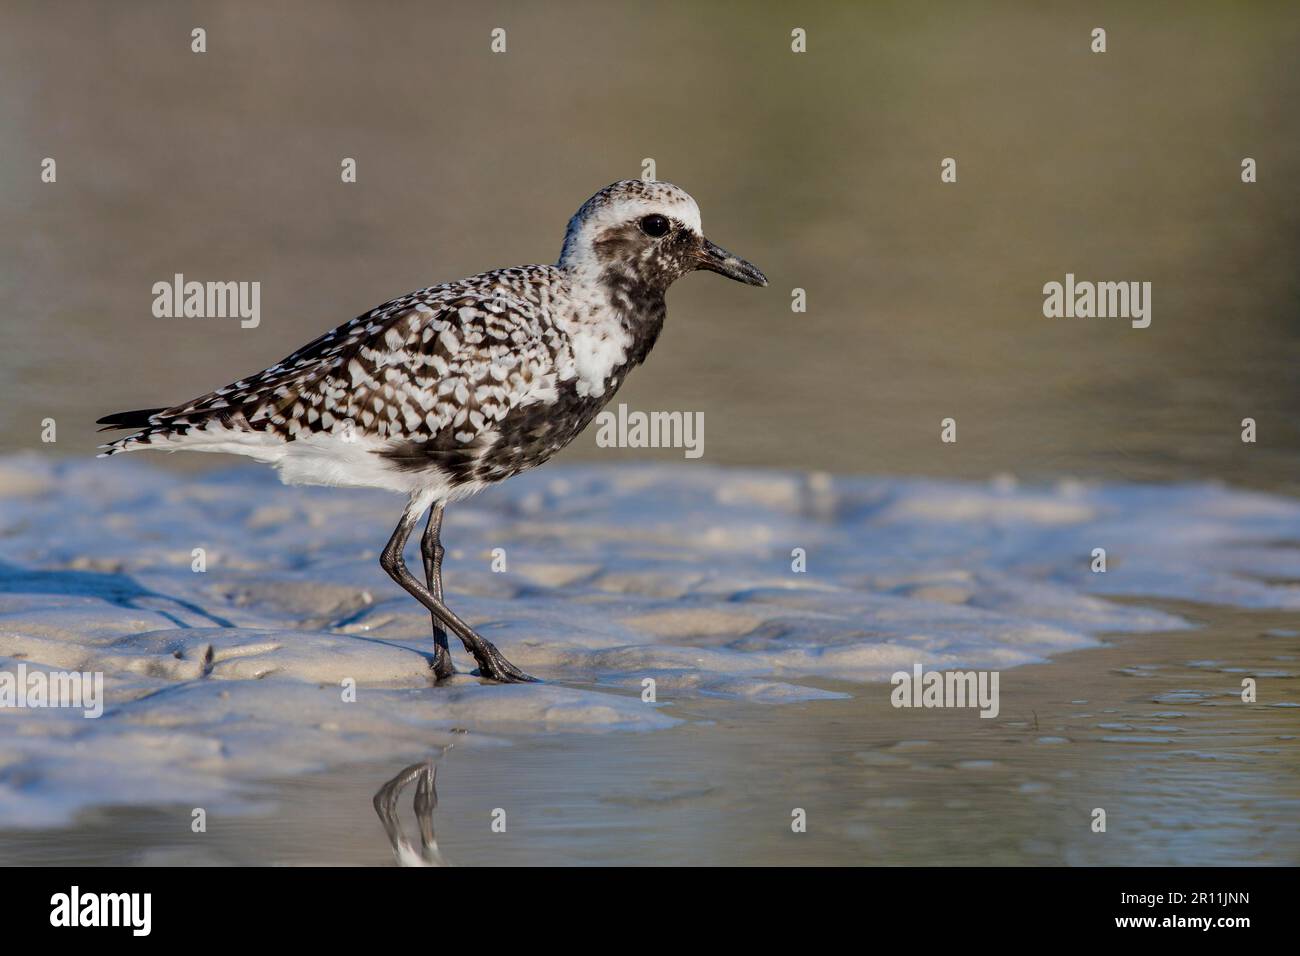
[{"x": 719, "y": 260}]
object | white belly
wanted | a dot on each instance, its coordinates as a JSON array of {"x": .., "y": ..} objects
[{"x": 320, "y": 459}]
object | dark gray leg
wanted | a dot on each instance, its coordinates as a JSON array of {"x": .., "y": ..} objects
[
  {"x": 431, "y": 552},
  {"x": 491, "y": 663}
]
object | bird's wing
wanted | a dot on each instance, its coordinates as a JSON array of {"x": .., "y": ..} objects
[{"x": 446, "y": 362}]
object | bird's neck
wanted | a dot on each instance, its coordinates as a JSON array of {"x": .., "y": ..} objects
[
  {"x": 613, "y": 322},
  {"x": 635, "y": 302}
]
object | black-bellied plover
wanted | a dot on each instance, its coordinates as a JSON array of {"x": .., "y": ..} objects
[{"x": 444, "y": 391}]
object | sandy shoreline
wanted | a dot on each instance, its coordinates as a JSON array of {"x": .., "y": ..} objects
[
  {"x": 768, "y": 608},
  {"x": 1187, "y": 773}
]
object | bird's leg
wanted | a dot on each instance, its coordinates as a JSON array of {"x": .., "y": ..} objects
[
  {"x": 491, "y": 663},
  {"x": 431, "y": 551}
]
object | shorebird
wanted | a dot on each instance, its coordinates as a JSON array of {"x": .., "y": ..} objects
[{"x": 447, "y": 390}]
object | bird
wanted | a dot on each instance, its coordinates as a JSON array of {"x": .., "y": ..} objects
[{"x": 443, "y": 392}]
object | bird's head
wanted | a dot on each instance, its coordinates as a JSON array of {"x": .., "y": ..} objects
[{"x": 645, "y": 234}]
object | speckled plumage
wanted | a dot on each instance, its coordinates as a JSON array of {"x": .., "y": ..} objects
[{"x": 461, "y": 384}]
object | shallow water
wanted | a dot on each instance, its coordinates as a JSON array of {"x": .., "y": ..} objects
[
  {"x": 771, "y": 682},
  {"x": 924, "y": 299},
  {"x": 1146, "y": 727}
]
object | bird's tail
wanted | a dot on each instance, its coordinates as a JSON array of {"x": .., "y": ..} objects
[
  {"x": 137, "y": 419},
  {"x": 141, "y": 418}
]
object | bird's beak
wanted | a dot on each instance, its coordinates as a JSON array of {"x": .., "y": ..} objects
[{"x": 716, "y": 259}]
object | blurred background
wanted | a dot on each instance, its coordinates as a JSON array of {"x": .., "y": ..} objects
[{"x": 923, "y": 299}]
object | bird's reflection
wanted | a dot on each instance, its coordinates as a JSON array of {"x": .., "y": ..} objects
[{"x": 424, "y": 775}]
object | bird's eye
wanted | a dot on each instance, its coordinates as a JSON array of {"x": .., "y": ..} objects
[{"x": 656, "y": 226}]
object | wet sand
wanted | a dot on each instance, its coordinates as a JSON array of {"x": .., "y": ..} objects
[{"x": 1149, "y": 727}]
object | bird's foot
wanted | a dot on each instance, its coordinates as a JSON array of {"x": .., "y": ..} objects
[
  {"x": 441, "y": 664},
  {"x": 493, "y": 666}
]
